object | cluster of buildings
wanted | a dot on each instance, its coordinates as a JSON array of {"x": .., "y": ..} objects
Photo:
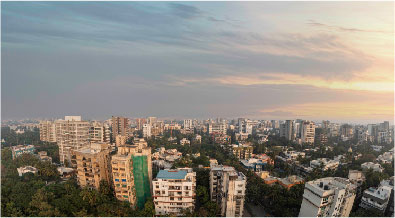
[{"x": 164, "y": 159}]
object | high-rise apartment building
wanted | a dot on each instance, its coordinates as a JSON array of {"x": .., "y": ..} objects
[
  {"x": 99, "y": 132},
  {"x": 132, "y": 173},
  {"x": 120, "y": 126},
  {"x": 308, "y": 132},
  {"x": 140, "y": 122},
  {"x": 328, "y": 197},
  {"x": 47, "y": 131},
  {"x": 287, "y": 130},
  {"x": 174, "y": 191},
  {"x": 227, "y": 189},
  {"x": 93, "y": 165},
  {"x": 72, "y": 133},
  {"x": 188, "y": 124},
  {"x": 147, "y": 130}
]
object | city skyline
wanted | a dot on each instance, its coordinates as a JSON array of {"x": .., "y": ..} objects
[{"x": 261, "y": 60}]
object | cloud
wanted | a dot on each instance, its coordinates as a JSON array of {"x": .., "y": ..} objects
[
  {"x": 345, "y": 29},
  {"x": 185, "y": 11}
]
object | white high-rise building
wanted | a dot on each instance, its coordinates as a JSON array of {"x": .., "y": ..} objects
[
  {"x": 328, "y": 197},
  {"x": 188, "y": 124},
  {"x": 227, "y": 189},
  {"x": 147, "y": 130},
  {"x": 174, "y": 191},
  {"x": 72, "y": 133}
]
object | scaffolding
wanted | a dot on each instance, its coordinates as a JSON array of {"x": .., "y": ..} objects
[{"x": 141, "y": 180}]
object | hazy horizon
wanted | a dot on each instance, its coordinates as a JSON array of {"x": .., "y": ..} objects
[{"x": 260, "y": 60}]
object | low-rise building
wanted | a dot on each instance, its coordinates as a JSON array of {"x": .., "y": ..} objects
[
  {"x": 242, "y": 151},
  {"x": 44, "y": 157},
  {"x": 185, "y": 141},
  {"x": 227, "y": 189},
  {"x": 66, "y": 172},
  {"x": 290, "y": 181},
  {"x": 174, "y": 191},
  {"x": 377, "y": 198},
  {"x": 26, "y": 169},
  {"x": 327, "y": 197},
  {"x": 22, "y": 149},
  {"x": 385, "y": 158},
  {"x": 325, "y": 163},
  {"x": 254, "y": 164},
  {"x": 374, "y": 166}
]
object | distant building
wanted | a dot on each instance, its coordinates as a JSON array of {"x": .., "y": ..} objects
[
  {"x": 185, "y": 141},
  {"x": 198, "y": 139},
  {"x": 287, "y": 130},
  {"x": 147, "y": 130},
  {"x": 66, "y": 172},
  {"x": 374, "y": 166},
  {"x": 174, "y": 191},
  {"x": 47, "y": 131},
  {"x": 327, "y": 197},
  {"x": 22, "y": 149},
  {"x": 44, "y": 157},
  {"x": 325, "y": 163},
  {"x": 120, "y": 126},
  {"x": 242, "y": 151},
  {"x": 227, "y": 189},
  {"x": 308, "y": 132},
  {"x": 26, "y": 169}
]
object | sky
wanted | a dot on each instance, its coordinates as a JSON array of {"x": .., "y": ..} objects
[{"x": 261, "y": 60}]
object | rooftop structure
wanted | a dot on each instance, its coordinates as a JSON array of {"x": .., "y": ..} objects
[{"x": 331, "y": 196}]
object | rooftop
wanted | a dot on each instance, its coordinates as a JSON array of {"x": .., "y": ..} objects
[{"x": 171, "y": 174}]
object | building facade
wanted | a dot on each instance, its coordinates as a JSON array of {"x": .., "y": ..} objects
[
  {"x": 93, "y": 165},
  {"x": 327, "y": 197},
  {"x": 174, "y": 191},
  {"x": 227, "y": 189}
]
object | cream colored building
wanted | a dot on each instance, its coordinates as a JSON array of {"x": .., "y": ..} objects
[
  {"x": 227, "y": 189},
  {"x": 72, "y": 133},
  {"x": 47, "y": 131},
  {"x": 308, "y": 132},
  {"x": 174, "y": 191},
  {"x": 99, "y": 132},
  {"x": 93, "y": 165},
  {"x": 328, "y": 197}
]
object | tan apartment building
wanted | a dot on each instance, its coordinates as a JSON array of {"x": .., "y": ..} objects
[
  {"x": 93, "y": 165},
  {"x": 242, "y": 152},
  {"x": 47, "y": 131},
  {"x": 132, "y": 173}
]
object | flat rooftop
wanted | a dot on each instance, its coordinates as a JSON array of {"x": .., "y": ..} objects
[{"x": 172, "y": 174}]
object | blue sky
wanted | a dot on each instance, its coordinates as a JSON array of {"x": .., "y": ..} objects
[{"x": 266, "y": 60}]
